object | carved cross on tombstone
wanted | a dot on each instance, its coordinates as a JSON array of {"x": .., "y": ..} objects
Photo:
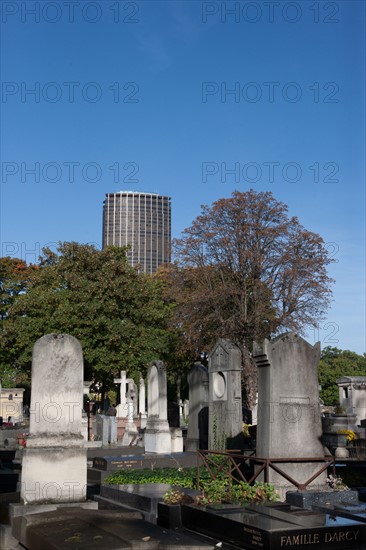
[{"x": 220, "y": 356}]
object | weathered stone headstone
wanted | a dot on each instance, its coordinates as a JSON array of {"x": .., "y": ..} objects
[
  {"x": 142, "y": 403},
  {"x": 157, "y": 434},
  {"x": 11, "y": 404},
  {"x": 130, "y": 429},
  {"x": 132, "y": 394},
  {"x": 122, "y": 406},
  {"x": 113, "y": 425},
  {"x": 352, "y": 397},
  {"x": 54, "y": 463},
  {"x": 182, "y": 420},
  {"x": 102, "y": 429},
  {"x": 185, "y": 410},
  {"x": 225, "y": 403},
  {"x": 289, "y": 423},
  {"x": 197, "y": 434}
]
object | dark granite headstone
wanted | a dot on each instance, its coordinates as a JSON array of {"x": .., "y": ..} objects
[
  {"x": 173, "y": 415},
  {"x": 138, "y": 462},
  {"x": 309, "y": 499},
  {"x": 275, "y": 527}
]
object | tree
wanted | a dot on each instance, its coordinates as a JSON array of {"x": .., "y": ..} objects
[
  {"x": 116, "y": 313},
  {"x": 244, "y": 270},
  {"x": 335, "y": 363},
  {"x": 15, "y": 276}
]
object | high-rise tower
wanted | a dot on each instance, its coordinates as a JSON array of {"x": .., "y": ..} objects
[{"x": 141, "y": 220}]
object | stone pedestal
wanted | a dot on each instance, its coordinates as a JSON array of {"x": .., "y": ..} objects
[
  {"x": 157, "y": 437},
  {"x": 176, "y": 435},
  {"x": 130, "y": 430},
  {"x": 53, "y": 470}
]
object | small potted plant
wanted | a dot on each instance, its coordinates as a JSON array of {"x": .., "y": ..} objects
[{"x": 169, "y": 511}]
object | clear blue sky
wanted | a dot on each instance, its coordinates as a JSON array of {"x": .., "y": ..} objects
[{"x": 136, "y": 96}]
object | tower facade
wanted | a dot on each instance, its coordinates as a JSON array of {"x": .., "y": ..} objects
[{"x": 141, "y": 220}]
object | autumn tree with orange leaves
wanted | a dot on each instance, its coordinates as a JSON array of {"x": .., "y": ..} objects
[{"x": 245, "y": 270}]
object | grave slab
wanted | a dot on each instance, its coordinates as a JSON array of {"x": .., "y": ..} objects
[
  {"x": 275, "y": 527},
  {"x": 351, "y": 511},
  {"x": 142, "y": 497},
  {"x": 309, "y": 499},
  {"x": 102, "y": 529}
]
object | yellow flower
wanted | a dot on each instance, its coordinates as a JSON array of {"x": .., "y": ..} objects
[{"x": 349, "y": 433}]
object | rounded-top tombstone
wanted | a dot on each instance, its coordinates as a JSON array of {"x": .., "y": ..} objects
[
  {"x": 57, "y": 384},
  {"x": 157, "y": 434},
  {"x": 54, "y": 463}
]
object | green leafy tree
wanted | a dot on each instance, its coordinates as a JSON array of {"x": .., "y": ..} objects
[
  {"x": 15, "y": 277},
  {"x": 245, "y": 270},
  {"x": 116, "y": 313},
  {"x": 335, "y": 363}
]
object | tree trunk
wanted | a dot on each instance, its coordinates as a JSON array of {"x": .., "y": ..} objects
[{"x": 249, "y": 379}]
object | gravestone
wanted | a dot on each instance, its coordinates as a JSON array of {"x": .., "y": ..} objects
[
  {"x": 112, "y": 433},
  {"x": 130, "y": 430},
  {"x": 102, "y": 429},
  {"x": 352, "y": 397},
  {"x": 225, "y": 403},
  {"x": 142, "y": 403},
  {"x": 185, "y": 411},
  {"x": 275, "y": 527},
  {"x": 54, "y": 463},
  {"x": 122, "y": 406},
  {"x": 132, "y": 393},
  {"x": 289, "y": 422},
  {"x": 174, "y": 415},
  {"x": 11, "y": 404},
  {"x": 157, "y": 434},
  {"x": 182, "y": 419},
  {"x": 106, "y": 429},
  {"x": 197, "y": 433}
]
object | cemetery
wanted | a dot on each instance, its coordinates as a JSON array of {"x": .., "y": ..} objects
[{"x": 153, "y": 474}]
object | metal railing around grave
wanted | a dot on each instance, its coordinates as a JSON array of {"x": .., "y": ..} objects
[{"x": 237, "y": 466}]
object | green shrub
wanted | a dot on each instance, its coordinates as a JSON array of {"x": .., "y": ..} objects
[
  {"x": 184, "y": 477},
  {"x": 213, "y": 490}
]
